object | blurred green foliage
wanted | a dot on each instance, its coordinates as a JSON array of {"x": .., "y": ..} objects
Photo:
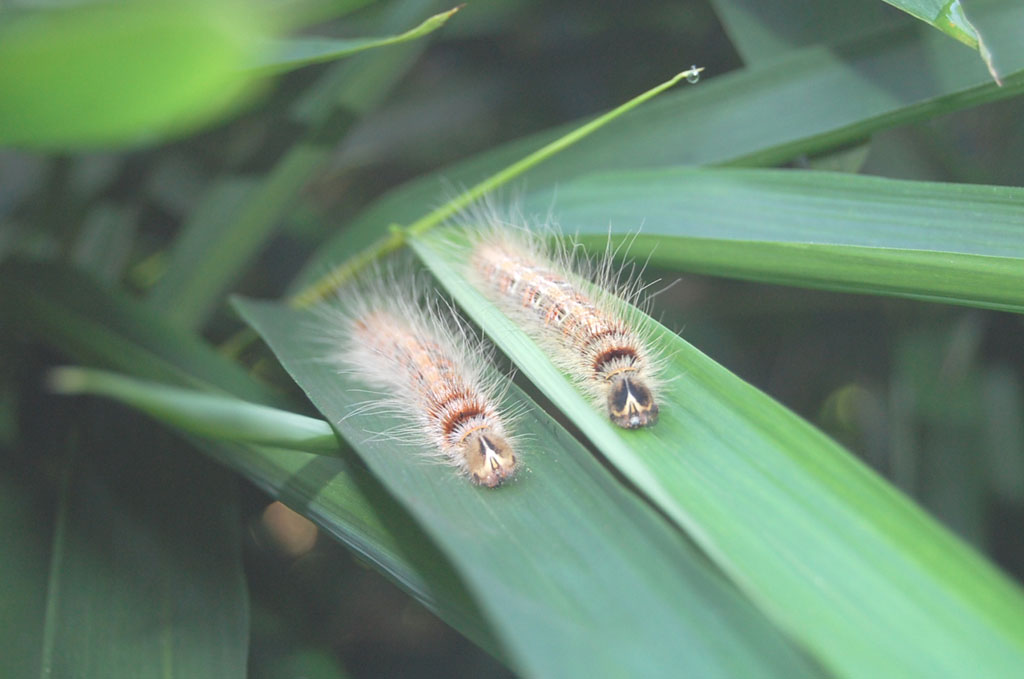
[{"x": 150, "y": 152}]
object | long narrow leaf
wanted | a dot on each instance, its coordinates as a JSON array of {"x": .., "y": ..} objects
[
  {"x": 220, "y": 417},
  {"x": 289, "y": 54},
  {"x": 101, "y": 327},
  {"x": 955, "y": 243},
  {"x": 850, "y": 567},
  {"x": 136, "y": 589},
  {"x": 578, "y": 577},
  {"x": 758, "y": 116}
]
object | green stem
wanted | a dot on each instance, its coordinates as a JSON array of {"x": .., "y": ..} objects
[{"x": 396, "y": 239}]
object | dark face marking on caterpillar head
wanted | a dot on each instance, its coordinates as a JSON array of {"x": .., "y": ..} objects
[
  {"x": 490, "y": 458},
  {"x": 631, "y": 404}
]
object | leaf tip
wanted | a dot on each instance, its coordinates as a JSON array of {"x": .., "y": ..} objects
[{"x": 65, "y": 380}]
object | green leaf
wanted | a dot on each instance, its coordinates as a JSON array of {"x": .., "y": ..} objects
[
  {"x": 239, "y": 215},
  {"x": 945, "y": 15},
  {"x": 79, "y": 318},
  {"x": 763, "y": 31},
  {"x": 347, "y": 502},
  {"x": 758, "y": 116},
  {"x": 96, "y": 326},
  {"x": 214, "y": 416},
  {"x": 577, "y": 575},
  {"x": 106, "y": 73},
  {"x": 289, "y": 54},
  {"x": 955, "y": 243},
  {"x": 146, "y": 573},
  {"x": 848, "y": 566},
  {"x": 26, "y": 522},
  {"x": 949, "y": 17}
]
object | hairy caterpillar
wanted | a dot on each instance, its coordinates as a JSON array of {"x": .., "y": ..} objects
[
  {"x": 430, "y": 372},
  {"x": 590, "y": 335}
]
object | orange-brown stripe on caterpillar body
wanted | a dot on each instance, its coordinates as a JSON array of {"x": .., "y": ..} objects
[
  {"x": 431, "y": 373},
  {"x": 589, "y": 334}
]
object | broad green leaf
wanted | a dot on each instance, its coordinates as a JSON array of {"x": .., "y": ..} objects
[
  {"x": 211, "y": 415},
  {"x": 108, "y": 73},
  {"x": 848, "y": 566},
  {"x": 145, "y": 578},
  {"x": 101, "y": 327},
  {"x": 578, "y": 577},
  {"x": 956, "y": 243},
  {"x": 289, "y": 54},
  {"x": 758, "y": 116}
]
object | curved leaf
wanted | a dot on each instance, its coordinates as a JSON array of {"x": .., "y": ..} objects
[{"x": 847, "y": 565}]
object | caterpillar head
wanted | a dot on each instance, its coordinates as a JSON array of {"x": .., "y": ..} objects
[
  {"x": 630, "y": 403},
  {"x": 489, "y": 457}
]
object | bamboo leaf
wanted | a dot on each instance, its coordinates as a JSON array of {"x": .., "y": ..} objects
[
  {"x": 77, "y": 317},
  {"x": 757, "y": 116},
  {"x": 289, "y": 54},
  {"x": 955, "y": 243},
  {"x": 577, "y": 576},
  {"x": 220, "y": 417},
  {"x": 133, "y": 587},
  {"x": 946, "y": 15},
  {"x": 238, "y": 215},
  {"x": 761, "y": 32},
  {"x": 23, "y": 565},
  {"x": 847, "y": 565},
  {"x": 103, "y": 73}
]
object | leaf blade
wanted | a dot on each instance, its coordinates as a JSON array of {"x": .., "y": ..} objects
[
  {"x": 746, "y": 117},
  {"x": 953, "y": 243},
  {"x": 293, "y": 53},
  {"x": 526, "y": 549},
  {"x": 835, "y": 555}
]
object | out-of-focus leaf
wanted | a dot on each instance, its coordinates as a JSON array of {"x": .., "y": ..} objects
[
  {"x": 146, "y": 573},
  {"x": 114, "y": 73},
  {"x": 289, "y": 54},
  {"x": 102, "y": 327},
  {"x": 239, "y": 215},
  {"x": 70, "y": 311},
  {"x": 105, "y": 241},
  {"x": 762, "y": 31},
  {"x": 26, "y": 526}
]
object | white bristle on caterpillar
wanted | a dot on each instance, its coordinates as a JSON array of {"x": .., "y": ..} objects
[
  {"x": 586, "y": 326},
  {"x": 429, "y": 371}
]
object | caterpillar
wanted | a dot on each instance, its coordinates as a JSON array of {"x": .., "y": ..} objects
[
  {"x": 590, "y": 335},
  {"x": 430, "y": 372}
]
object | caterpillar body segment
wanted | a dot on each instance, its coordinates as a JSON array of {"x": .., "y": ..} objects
[
  {"x": 589, "y": 335},
  {"x": 431, "y": 373}
]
